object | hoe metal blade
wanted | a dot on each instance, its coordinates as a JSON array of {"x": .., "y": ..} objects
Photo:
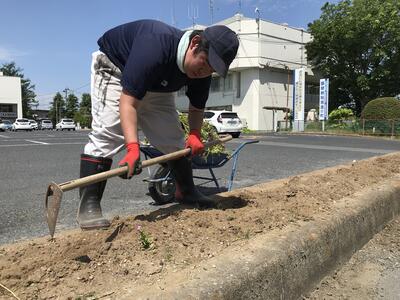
[{"x": 53, "y": 202}]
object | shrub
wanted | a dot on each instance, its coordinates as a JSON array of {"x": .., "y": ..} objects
[
  {"x": 382, "y": 109},
  {"x": 341, "y": 114},
  {"x": 246, "y": 130},
  {"x": 83, "y": 120},
  {"x": 338, "y": 126}
]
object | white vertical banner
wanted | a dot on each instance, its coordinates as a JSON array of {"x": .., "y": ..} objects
[
  {"x": 323, "y": 99},
  {"x": 298, "y": 99}
]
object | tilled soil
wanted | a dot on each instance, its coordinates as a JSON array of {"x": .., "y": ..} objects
[{"x": 143, "y": 249}]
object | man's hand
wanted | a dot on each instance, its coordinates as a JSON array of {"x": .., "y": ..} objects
[
  {"x": 132, "y": 159},
  {"x": 194, "y": 142}
]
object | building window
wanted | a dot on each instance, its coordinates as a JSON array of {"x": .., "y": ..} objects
[
  {"x": 228, "y": 83},
  {"x": 7, "y": 107},
  {"x": 215, "y": 84},
  {"x": 312, "y": 89},
  {"x": 8, "y": 111}
]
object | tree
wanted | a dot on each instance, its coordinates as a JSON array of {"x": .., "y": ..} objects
[
  {"x": 71, "y": 106},
  {"x": 85, "y": 106},
  {"x": 356, "y": 43},
  {"x": 57, "y": 108},
  {"x": 84, "y": 115},
  {"x": 27, "y": 88}
]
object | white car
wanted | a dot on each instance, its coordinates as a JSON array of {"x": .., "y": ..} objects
[
  {"x": 65, "y": 124},
  {"x": 224, "y": 121},
  {"x": 34, "y": 124},
  {"x": 46, "y": 124},
  {"x": 21, "y": 124},
  {"x": 5, "y": 125}
]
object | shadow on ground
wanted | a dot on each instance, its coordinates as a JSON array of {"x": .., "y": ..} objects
[{"x": 221, "y": 203}]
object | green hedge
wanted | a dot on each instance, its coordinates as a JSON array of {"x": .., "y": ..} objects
[{"x": 382, "y": 109}]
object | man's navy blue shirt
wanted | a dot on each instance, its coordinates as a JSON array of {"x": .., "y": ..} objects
[{"x": 146, "y": 51}]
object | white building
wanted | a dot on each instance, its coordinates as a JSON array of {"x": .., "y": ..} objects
[
  {"x": 259, "y": 85},
  {"x": 10, "y": 97}
]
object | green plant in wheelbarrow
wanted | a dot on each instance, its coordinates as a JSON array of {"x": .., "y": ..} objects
[
  {"x": 208, "y": 133},
  {"x": 162, "y": 185}
]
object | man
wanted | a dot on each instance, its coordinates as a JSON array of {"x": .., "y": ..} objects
[{"x": 139, "y": 66}]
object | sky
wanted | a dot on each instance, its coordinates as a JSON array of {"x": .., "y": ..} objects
[{"x": 52, "y": 40}]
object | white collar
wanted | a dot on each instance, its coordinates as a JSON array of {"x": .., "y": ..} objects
[{"x": 182, "y": 48}]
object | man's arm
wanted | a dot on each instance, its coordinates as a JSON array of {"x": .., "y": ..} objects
[
  {"x": 128, "y": 106},
  {"x": 195, "y": 117},
  {"x": 128, "y": 115}
]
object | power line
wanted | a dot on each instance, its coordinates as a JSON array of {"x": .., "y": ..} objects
[
  {"x": 81, "y": 87},
  {"x": 50, "y": 95},
  {"x": 75, "y": 89}
]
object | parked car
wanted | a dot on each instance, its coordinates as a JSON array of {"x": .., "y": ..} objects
[
  {"x": 21, "y": 124},
  {"x": 224, "y": 121},
  {"x": 5, "y": 125},
  {"x": 34, "y": 124},
  {"x": 45, "y": 124},
  {"x": 65, "y": 124}
]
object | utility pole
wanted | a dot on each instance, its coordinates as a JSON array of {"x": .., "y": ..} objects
[
  {"x": 193, "y": 14},
  {"x": 211, "y": 6},
  {"x": 66, "y": 90},
  {"x": 287, "y": 96},
  {"x": 56, "y": 100},
  {"x": 173, "y": 14},
  {"x": 257, "y": 11}
]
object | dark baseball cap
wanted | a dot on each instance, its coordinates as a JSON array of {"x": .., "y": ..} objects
[{"x": 223, "y": 46}]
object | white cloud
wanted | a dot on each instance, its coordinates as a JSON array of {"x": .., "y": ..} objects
[
  {"x": 4, "y": 54},
  {"x": 8, "y": 54}
]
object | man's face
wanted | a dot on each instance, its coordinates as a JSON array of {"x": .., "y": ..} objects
[{"x": 196, "y": 64}]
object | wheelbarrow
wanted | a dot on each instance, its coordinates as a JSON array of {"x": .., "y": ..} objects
[{"x": 161, "y": 183}]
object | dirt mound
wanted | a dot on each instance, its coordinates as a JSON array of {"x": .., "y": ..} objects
[{"x": 143, "y": 249}]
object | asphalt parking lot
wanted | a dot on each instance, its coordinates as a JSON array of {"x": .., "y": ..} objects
[{"x": 31, "y": 160}]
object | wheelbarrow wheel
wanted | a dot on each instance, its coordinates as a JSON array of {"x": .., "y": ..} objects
[{"x": 162, "y": 191}]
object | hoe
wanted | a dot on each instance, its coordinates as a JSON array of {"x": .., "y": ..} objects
[{"x": 55, "y": 191}]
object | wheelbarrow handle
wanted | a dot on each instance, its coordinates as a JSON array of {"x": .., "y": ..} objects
[{"x": 85, "y": 181}]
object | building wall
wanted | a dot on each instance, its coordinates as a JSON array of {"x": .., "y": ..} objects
[
  {"x": 274, "y": 93},
  {"x": 269, "y": 44},
  {"x": 248, "y": 55},
  {"x": 223, "y": 97},
  {"x": 247, "y": 105},
  {"x": 281, "y": 45},
  {"x": 10, "y": 97}
]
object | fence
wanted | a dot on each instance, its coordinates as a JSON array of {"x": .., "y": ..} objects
[{"x": 357, "y": 126}]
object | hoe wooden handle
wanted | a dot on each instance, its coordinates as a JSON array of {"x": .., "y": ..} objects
[{"x": 82, "y": 182}]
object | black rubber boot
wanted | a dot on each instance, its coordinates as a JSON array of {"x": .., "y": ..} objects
[
  {"x": 89, "y": 212},
  {"x": 183, "y": 173}
]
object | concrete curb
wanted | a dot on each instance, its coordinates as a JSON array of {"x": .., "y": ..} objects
[
  {"x": 285, "y": 264},
  {"x": 311, "y": 133}
]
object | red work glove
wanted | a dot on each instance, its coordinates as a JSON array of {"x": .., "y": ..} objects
[
  {"x": 132, "y": 159},
  {"x": 194, "y": 142}
]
